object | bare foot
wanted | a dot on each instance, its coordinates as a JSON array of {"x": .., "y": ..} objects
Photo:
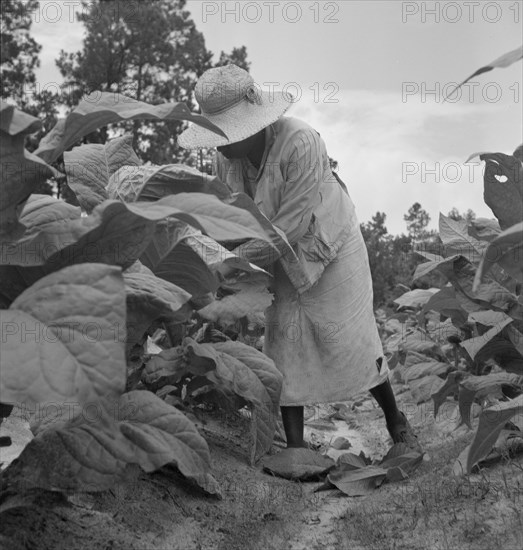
[{"x": 401, "y": 432}]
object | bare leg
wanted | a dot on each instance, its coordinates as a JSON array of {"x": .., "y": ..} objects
[
  {"x": 386, "y": 400},
  {"x": 293, "y": 417},
  {"x": 397, "y": 424},
  {"x": 293, "y": 425}
]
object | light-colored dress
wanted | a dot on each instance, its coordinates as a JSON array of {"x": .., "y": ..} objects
[{"x": 320, "y": 330}]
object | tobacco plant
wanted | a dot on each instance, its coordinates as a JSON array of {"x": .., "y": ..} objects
[{"x": 85, "y": 289}]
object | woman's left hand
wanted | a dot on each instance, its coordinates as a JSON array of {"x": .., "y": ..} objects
[{"x": 225, "y": 271}]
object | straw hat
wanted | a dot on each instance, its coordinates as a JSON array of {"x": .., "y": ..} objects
[{"x": 229, "y": 98}]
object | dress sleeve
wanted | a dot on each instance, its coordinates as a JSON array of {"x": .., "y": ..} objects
[{"x": 301, "y": 166}]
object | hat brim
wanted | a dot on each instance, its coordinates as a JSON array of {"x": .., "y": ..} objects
[{"x": 240, "y": 122}]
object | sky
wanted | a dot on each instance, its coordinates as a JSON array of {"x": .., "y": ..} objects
[{"x": 370, "y": 76}]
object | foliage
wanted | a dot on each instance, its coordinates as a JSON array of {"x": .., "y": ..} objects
[
  {"x": 222, "y": 371},
  {"x": 456, "y": 215},
  {"x": 391, "y": 260},
  {"x": 238, "y": 57},
  {"x": 149, "y": 51},
  {"x": 19, "y": 54},
  {"x": 333, "y": 164},
  {"x": 19, "y": 59},
  {"x": 503, "y": 61},
  {"x": 380, "y": 251},
  {"x": 102, "y": 108},
  {"x": 157, "y": 62},
  {"x": 481, "y": 260},
  {"x": 417, "y": 220},
  {"x": 94, "y": 285}
]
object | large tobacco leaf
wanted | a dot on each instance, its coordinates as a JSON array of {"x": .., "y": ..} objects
[
  {"x": 263, "y": 367},
  {"x": 21, "y": 170},
  {"x": 437, "y": 262},
  {"x": 474, "y": 345},
  {"x": 91, "y": 454},
  {"x": 234, "y": 369},
  {"x": 112, "y": 234},
  {"x": 215, "y": 255},
  {"x": 210, "y": 215},
  {"x": 480, "y": 387},
  {"x": 446, "y": 303},
  {"x": 450, "y": 387},
  {"x": 298, "y": 464},
  {"x": 151, "y": 183},
  {"x": 60, "y": 343},
  {"x": 255, "y": 381},
  {"x": 418, "y": 341},
  {"x": 488, "y": 317},
  {"x": 168, "y": 233},
  {"x": 277, "y": 237},
  {"x": 207, "y": 213},
  {"x": 150, "y": 298},
  {"x": 457, "y": 240},
  {"x": 131, "y": 183},
  {"x": 506, "y": 249},
  {"x": 39, "y": 215},
  {"x": 415, "y": 298},
  {"x": 501, "y": 342},
  {"x": 357, "y": 481},
  {"x": 183, "y": 255},
  {"x": 182, "y": 266},
  {"x": 421, "y": 366},
  {"x": 503, "y": 61},
  {"x": 503, "y": 187},
  {"x": 491, "y": 421},
  {"x": 355, "y": 476},
  {"x": 115, "y": 233},
  {"x": 516, "y": 338},
  {"x": 503, "y": 350},
  {"x": 101, "y": 108},
  {"x": 461, "y": 273},
  {"x": 484, "y": 229},
  {"x": 248, "y": 297},
  {"x": 40, "y": 211},
  {"x": 89, "y": 168},
  {"x": 422, "y": 389},
  {"x": 168, "y": 367}
]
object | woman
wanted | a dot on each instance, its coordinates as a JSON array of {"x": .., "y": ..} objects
[{"x": 320, "y": 330}]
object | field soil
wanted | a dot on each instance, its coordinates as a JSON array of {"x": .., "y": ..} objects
[{"x": 161, "y": 511}]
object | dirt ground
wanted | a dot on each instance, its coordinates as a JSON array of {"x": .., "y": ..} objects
[{"x": 432, "y": 509}]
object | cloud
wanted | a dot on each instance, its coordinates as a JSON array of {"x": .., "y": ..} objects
[{"x": 393, "y": 153}]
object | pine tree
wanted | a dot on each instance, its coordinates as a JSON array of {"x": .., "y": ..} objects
[
  {"x": 456, "y": 215},
  {"x": 19, "y": 54},
  {"x": 417, "y": 220},
  {"x": 150, "y": 51}
]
